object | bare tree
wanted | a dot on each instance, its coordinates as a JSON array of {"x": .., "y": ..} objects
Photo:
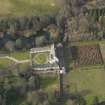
[{"x": 70, "y": 12}]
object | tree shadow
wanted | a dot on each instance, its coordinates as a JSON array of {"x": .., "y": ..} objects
[
  {"x": 67, "y": 58},
  {"x": 82, "y": 93},
  {"x": 101, "y": 103},
  {"x": 77, "y": 97}
]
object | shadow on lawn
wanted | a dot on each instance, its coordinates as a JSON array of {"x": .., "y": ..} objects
[
  {"x": 74, "y": 95},
  {"x": 101, "y": 103},
  {"x": 67, "y": 57},
  {"x": 76, "y": 98}
]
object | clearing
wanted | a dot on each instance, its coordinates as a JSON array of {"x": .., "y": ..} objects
[{"x": 27, "y": 7}]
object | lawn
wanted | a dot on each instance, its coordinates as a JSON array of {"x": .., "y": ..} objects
[
  {"x": 80, "y": 43},
  {"x": 89, "y": 83},
  {"x": 49, "y": 82},
  {"x": 41, "y": 58},
  {"x": 27, "y": 7},
  {"x": 4, "y": 63},
  {"x": 20, "y": 55}
]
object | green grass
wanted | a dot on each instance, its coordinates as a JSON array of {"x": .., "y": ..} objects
[
  {"x": 27, "y": 7},
  {"x": 41, "y": 58},
  {"x": 80, "y": 43},
  {"x": 48, "y": 81},
  {"x": 4, "y": 63},
  {"x": 20, "y": 55},
  {"x": 88, "y": 83}
]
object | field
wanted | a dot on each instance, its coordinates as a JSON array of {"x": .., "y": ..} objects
[
  {"x": 80, "y": 43},
  {"x": 4, "y": 63},
  {"x": 89, "y": 83},
  {"x": 27, "y": 7}
]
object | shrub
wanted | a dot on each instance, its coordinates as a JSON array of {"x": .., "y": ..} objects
[
  {"x": 18, "y": 43},
  {"x": 10, "y": 46}
]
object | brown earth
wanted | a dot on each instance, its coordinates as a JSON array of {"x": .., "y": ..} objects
[{"x": 87, "y": 55}]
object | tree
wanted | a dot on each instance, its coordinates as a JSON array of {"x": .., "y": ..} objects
[
  {"x": 70, "y": 102},
  {"x": 31, "y": 83},
  {"x": 19, "y": 43},
  {"x": 70, "y": 9},
  {"x": 80, "y": 101},
  {"x": 12, "y": 88},
  {"x": 95, "y": 101},
  {"x": 2, "y": 93},
  {"x": 37, "y": 98},
  {"x": 55, "y": 32},
  {"x": 1, "y": 43},
  {"x": 102, "y": 23},
  {"x": 9, "y": 45},
  {"x": 83, "y": 24},
  {"x": 40, "y": 40}
]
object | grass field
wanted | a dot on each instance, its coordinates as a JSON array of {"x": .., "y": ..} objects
[
  {"x": 80, "y": 43},
  {"x": 20, "y": 55},
  {"x": 88, "y": 83},
  {"x": 27, "y": 7},
  {"x": 41, "y": 58},
  {"x": 4, "y": 63}
]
